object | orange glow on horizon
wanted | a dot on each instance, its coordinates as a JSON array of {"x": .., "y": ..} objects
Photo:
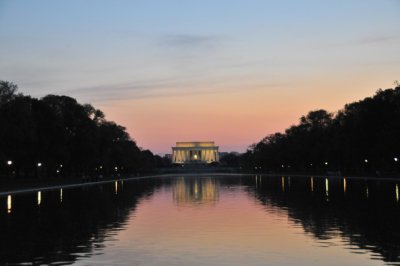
[{"x": 233, "y": 120}]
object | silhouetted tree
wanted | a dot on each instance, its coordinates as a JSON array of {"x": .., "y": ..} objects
[
  {"x": 65, "y": 137},
  {"x": 361, "y": 138}
]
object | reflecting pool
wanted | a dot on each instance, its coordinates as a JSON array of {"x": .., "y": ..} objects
[{"x": 206, "y": 220}]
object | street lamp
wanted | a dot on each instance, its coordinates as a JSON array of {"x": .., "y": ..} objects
[
  {"x": 39, "y": 164},
  {"x": 326, "y": 163},
  {"x": 366, "y": 160},
  {"x": 9, "y": 162}
]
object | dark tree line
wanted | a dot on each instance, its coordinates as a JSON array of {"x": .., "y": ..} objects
[
  {"x": 55, "y": 135},
  {"x": 362, "y": 138}
]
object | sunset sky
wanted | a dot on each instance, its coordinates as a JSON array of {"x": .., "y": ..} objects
[{"x": 227, "y": 71}]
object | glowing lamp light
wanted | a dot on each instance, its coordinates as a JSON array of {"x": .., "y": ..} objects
[
  {"x": 39, "y": 164},
  {"x": 9, "y": 162},
  {"x": 366, "y": 160},
  {"x": 326, "y": 163},
  {"x": 116, "y": 168},
  {"x": 396, "y": 159}
]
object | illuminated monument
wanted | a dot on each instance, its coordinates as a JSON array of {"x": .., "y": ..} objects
[{"x": 195, "y": 152}]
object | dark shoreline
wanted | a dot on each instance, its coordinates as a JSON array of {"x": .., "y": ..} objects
[{"x": 12, "y": 190}]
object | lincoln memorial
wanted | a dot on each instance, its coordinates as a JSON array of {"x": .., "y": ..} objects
[{"x": 195, "y": 152}]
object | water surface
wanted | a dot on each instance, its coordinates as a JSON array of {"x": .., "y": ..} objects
[{"x": 206, "y": 220}]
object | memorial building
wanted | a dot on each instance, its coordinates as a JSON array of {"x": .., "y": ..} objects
[{"x": 195, "y": 152}]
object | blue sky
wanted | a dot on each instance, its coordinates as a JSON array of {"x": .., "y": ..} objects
[{"x": 300, "y": 54}]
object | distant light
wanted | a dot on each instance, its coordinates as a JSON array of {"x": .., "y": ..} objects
[
  {"x": 283, "y": 166},
  {"x": 116, "y": 168},
  {"x": 396, "y": 159},
  {"x": 310, "y": 164},
  {"x": 61, "y": 165},
  {"x": 326, "y": 163},
  {"x": 255, "y": 167},
  {"x": 58, "y": 171},
  {"x": 366, "y": 160},
  {"x": 39, "y": 164},
  {"x": 101, "y": 167},
  {"x": 9, "y": 162}
]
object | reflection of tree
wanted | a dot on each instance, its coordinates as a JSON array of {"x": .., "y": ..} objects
[
  {"x": 62, "y": 231},
  {"x": 365, "y": 214},
  {"x": 189, "y": 190}
]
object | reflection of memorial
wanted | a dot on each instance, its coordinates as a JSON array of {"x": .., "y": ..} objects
[{"x": 195, "y": 190}]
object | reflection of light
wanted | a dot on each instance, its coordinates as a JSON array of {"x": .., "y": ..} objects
[
  {"x": 39, "y": 197},
  {"x": 283, "y": 183},
  {"x": 9, "y": 204},
  {"x": 61, "y": 194},
  {"x": 116, "y": 187},
  {"x": 344, "y": 185},
  {"x": 312, "y": 184},
  {"x": 397, "y": 193},
  {"x": 326, "y": 187},
  {"x": 367, "y": 192}
]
